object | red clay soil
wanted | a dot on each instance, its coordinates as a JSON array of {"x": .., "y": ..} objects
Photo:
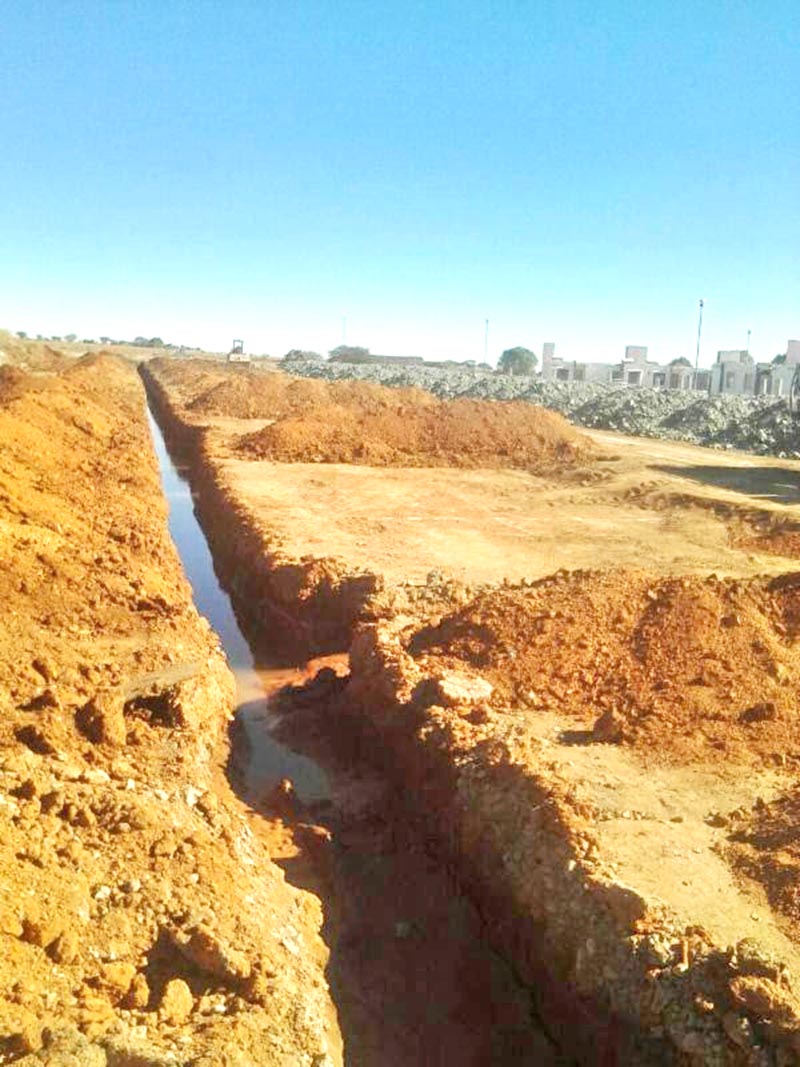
[
  {"x": 766, "y": 847},
  {"x": 15, "y": 382},
  {"x": 680, "y": 668},
  {"x": 780, "y": 542},
  {"x": 365, "y": 423},
  {"x": 403, "y": 428},
  {"x": 245, "y": 395},
  {"x": 141, "y": 919},
  {"x": 31, "y": 355}
]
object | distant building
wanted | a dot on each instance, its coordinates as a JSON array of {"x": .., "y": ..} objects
[
  {"x": 634, "y": 370},
  {"x": 555, "y": 369},
  {"x": 636, "y": 353},
  {"x": 734, "y": 372},
  {"x": 680, "y": 375},
  {"x": 637, "y": 369},
  {"x": 775, "y": 379}
]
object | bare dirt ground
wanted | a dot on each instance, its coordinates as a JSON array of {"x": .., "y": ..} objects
[
  {"x": 490, "y": 525},
  {"x": 668, "y": 507},
  {"x": 609, "y": 751},
  {"x": 141, "y": 918}
]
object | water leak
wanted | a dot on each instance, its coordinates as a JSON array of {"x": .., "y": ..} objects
[{"x": 269, "y": 761}]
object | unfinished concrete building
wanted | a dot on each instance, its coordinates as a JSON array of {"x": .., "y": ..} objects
[{"x": 734, "y": 372}]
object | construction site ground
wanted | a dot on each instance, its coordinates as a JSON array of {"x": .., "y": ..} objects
[
  {"x": 555, "y": 698},
  {"x": 667, "y": 507},
  {"x": 675, "y": 785}
]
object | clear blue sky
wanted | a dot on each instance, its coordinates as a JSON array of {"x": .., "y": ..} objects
[{"x": 575, "y": 172}]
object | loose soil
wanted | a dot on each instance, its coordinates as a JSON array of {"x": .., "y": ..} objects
[
  {"x": 608, "y": 753},
  {"x": 683, "y": 669},
  {"x": 142, "y": 920},
  {"x": 358, "y": 422},
  {"x": 416, "y": 431}
]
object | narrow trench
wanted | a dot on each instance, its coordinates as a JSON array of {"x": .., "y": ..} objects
[{"x": 411, "y": 973}]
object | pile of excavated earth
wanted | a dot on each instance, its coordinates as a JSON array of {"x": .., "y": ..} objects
[
  {"x": 561, "y": 722},
  {"x": 763, "y": 425},
  {"x": 357, "y": 422},
  {"x": 142, "y": 920},
  {"x": 604, "y": 753}
]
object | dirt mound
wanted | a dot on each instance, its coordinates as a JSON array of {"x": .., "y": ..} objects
[
  {"x": 366, "y": 423},
  {"x": 677, "y": 666},
  {"x": 381, "y": 427},
  {"x": 243, "y": 394},
  {"x": 258, "y": 396},
  {"x": 31, "y": 355},
  {"x": 134, "y": 891},
  {"x": 781, "y": 540},
  {"x": 15, "y": 383}
]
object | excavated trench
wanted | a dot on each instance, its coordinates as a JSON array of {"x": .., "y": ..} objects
[{"x": 411, "y": 970}]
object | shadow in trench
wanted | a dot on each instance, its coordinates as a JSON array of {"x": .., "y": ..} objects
[
  {"x": 778, "y": 484},
  {"x": 412, "y": 975}
]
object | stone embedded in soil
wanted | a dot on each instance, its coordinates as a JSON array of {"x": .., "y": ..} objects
[
  {"x": 210, "y": 953},
  {"x": 176, "y": 1002},
  {"x": 139, "y": 993},
  {"x": 118, "y": 976},
  {"x": 456, "y": 689},
  {"x": 102, "y": 719},
  {"x": 66, "y": 947},
  {"x": 66, "y": 1047},
  {"x": 283, "y": 801},
  {"x": 609, "y": 727}
]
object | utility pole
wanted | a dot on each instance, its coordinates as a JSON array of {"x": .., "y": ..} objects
[
  {"x": 748, "y": 342},
  {"x": 697, "y": 352},
  {"x": 486, "y": 342}
]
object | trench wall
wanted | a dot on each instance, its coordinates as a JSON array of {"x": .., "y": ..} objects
[
  {"x": 600, "y": 961},
  {"x": 617, "y": 979},
  {"x": 290, "y": 608}
]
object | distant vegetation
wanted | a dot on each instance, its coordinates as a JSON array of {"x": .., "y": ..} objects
[
  {"x": 517, "y": 360},
  {"x": 301, "y": 355},
  {"x": 349, "y": 354}
]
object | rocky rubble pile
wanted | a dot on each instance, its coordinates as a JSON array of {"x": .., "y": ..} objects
[{"x": 762, "y": 425}]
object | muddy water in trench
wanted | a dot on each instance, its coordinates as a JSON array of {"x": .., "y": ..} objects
[
  {"x": 413, "y": 979},
  {"x": 269, "y": 761}
]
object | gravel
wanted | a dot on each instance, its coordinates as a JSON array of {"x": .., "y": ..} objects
[{"x": 762, "y": 425}]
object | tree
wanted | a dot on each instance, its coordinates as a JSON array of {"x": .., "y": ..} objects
[
  {"x": 681, "y": 361},
  {"x": 780, "y": 359},
  {"x": 517, "y": 360},
  {"x": 349, "y": 354},
  {"x": 71, "y": 337},
  {"x": 22, "y": 335},
  {"x": 302, "y": 355}
]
